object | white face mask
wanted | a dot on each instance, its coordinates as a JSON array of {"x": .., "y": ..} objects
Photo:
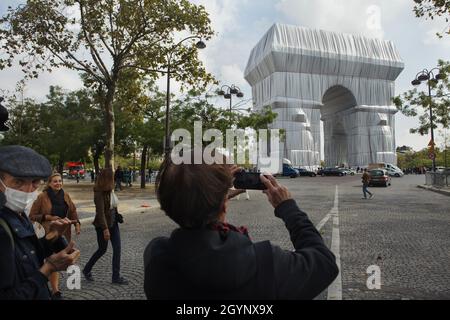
[{"x": 17, "y": 200}]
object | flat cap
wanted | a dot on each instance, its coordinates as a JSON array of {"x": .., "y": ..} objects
[{"x": 23, "y": 162}]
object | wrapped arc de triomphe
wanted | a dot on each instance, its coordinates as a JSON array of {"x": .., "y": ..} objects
[{"x": 347, "y": 81}]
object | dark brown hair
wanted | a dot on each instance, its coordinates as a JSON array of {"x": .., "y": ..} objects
[
  {"x": 192, "y": 194},
  {"x": 105, "y": 180}
]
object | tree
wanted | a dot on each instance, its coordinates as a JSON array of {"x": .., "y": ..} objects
[
  {"x": 433, "y": 8},
  {"x": 24, "y": 123},
  {"x": 115, "y": 35},
  {"x": 61, "y": 128},
  {"x": 414, "y": 103}
]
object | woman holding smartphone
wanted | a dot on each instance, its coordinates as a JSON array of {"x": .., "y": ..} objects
[{"x": 53, "y": 204}]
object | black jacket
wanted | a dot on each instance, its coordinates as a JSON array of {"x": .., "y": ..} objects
[
  {"x": 19, "y": 268},
  {"x": 199, "y": 264}
]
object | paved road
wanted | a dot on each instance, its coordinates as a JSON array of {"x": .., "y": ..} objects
[{"x": 403, "y": 230}]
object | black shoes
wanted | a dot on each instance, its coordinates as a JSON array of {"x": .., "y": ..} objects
[
  {"x": 120, "y": 280},
  {"x": 88, "y": 276},
  {"x": 57, "y": 296}
]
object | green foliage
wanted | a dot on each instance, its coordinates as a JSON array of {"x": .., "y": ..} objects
[
  {"x": 62, "y": 128},
  {"x": 104, "y": 40},
  {"x": 197, "y": 108},
  {"x": 417, "y": 103},
  {"x": 433, "y": 8},
  {"x": 421, "y": 159}
]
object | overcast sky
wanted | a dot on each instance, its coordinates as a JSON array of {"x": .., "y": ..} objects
[{"x": 239, "y": 25}]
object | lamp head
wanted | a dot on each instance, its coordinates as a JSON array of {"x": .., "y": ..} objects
[
  {"x": 434, "y": 81},
  {"x": 423, "y": 77},
  {"x": 200, "y": 45},
  {"x": 234, "y": 90},
  {"x": 440, "y": 76},
  {"x": 415, "y": 82},
  {"x": 240, "y": 94}
]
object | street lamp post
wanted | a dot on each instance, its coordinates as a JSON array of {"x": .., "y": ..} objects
[
  {"x": 200, "y": 45},
  {"x": 229, "y": 94},
  {"x": 429, "y": 77}
]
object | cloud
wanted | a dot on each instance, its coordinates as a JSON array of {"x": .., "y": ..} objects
[
  {"x": 365, "y": 17},
  {"x": 233, "y": 74}
]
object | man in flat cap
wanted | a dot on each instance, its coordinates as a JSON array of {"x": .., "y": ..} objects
[{"x": 26, "y": 262}]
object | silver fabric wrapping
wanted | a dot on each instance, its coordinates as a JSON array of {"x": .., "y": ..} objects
[{"x": 347, "y": 81}]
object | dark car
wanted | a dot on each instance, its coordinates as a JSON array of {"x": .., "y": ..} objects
[
  {"x": 332, "y": 172},
  {"x": 305, "y": 173},
  {"x": 379, "y": 177}
]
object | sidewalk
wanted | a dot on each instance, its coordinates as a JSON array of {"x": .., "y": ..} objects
[
  {"x": 444, "y": 191},
  {"x": 131, "y": 199},
  {"x": 87, "y": 214}
]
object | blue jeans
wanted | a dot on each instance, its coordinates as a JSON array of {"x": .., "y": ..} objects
[
  {"x": 365, "y": 190},
  {"x": 103, "y": 246}
]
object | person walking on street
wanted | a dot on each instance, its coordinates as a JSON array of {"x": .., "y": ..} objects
[
  {"x": 53, "y": 204},
  {"x": 106, "y": 224},
  {"x": 92, "y": 176},
  {"x": 118, "y": 177},
  {"x": 27, "y": 257},
  {"x": 365, "y": 184}
]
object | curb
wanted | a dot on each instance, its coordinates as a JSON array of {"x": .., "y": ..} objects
[
  {"x": 130, "y": 212},
  {"x": 445, "y": 193}
]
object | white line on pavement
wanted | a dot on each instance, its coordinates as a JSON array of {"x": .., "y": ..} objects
[
  {"x": 335, "y": 289},
  {"x": 332, "y": 211}
]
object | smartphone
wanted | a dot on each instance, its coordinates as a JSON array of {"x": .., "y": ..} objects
[{"x": 248, "y": 180}]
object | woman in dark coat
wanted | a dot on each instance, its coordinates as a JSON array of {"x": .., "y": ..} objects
[
  {"x": 208, "y": 258},
  {"x": 106, "y": 225}
]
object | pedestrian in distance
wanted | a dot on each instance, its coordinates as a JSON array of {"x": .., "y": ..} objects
[
  {"x": 118, "y": 178},
  {"x": 54, "y": 204},
  {"x": 365, "y": 183},
  {"x": 208, "y": 258},
  {"x": 106, "y": 222},
  {"x": 92, "y": 176},
  {"x": 28, "y": 254}
]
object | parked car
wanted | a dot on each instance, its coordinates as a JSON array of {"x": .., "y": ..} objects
[
  {"x": 290, "y": 171},
  {"x": 379, "y": 177},
  {"x": 349, "y": 172},
  {"x": 305, "y": 173},
  {"x": 332, "y": 172}
]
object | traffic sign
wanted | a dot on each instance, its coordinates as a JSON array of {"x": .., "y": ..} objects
[
  {"x": 431, "y": 143},
  {"x": 431, "y": 156}
]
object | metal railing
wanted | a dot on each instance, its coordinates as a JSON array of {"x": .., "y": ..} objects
[{"x": 437, "y": 179}]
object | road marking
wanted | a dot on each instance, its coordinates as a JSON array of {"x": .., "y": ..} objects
[
  {"x": 333, "y": 210},
  {"x": 335, "y": 289}
]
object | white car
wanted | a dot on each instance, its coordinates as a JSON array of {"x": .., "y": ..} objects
[{"x": 395, "y": 173}]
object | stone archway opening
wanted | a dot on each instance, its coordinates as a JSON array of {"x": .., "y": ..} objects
[{"x": 336, "y": 100}]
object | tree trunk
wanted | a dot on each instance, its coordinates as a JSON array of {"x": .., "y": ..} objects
[
  {"x": 143, "y": 161},
  {"x": 60, "y": 165},
  {"x": 110, "y": 126}
]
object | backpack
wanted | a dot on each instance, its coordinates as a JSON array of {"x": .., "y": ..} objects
[{"x": 8, "y": 232}]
